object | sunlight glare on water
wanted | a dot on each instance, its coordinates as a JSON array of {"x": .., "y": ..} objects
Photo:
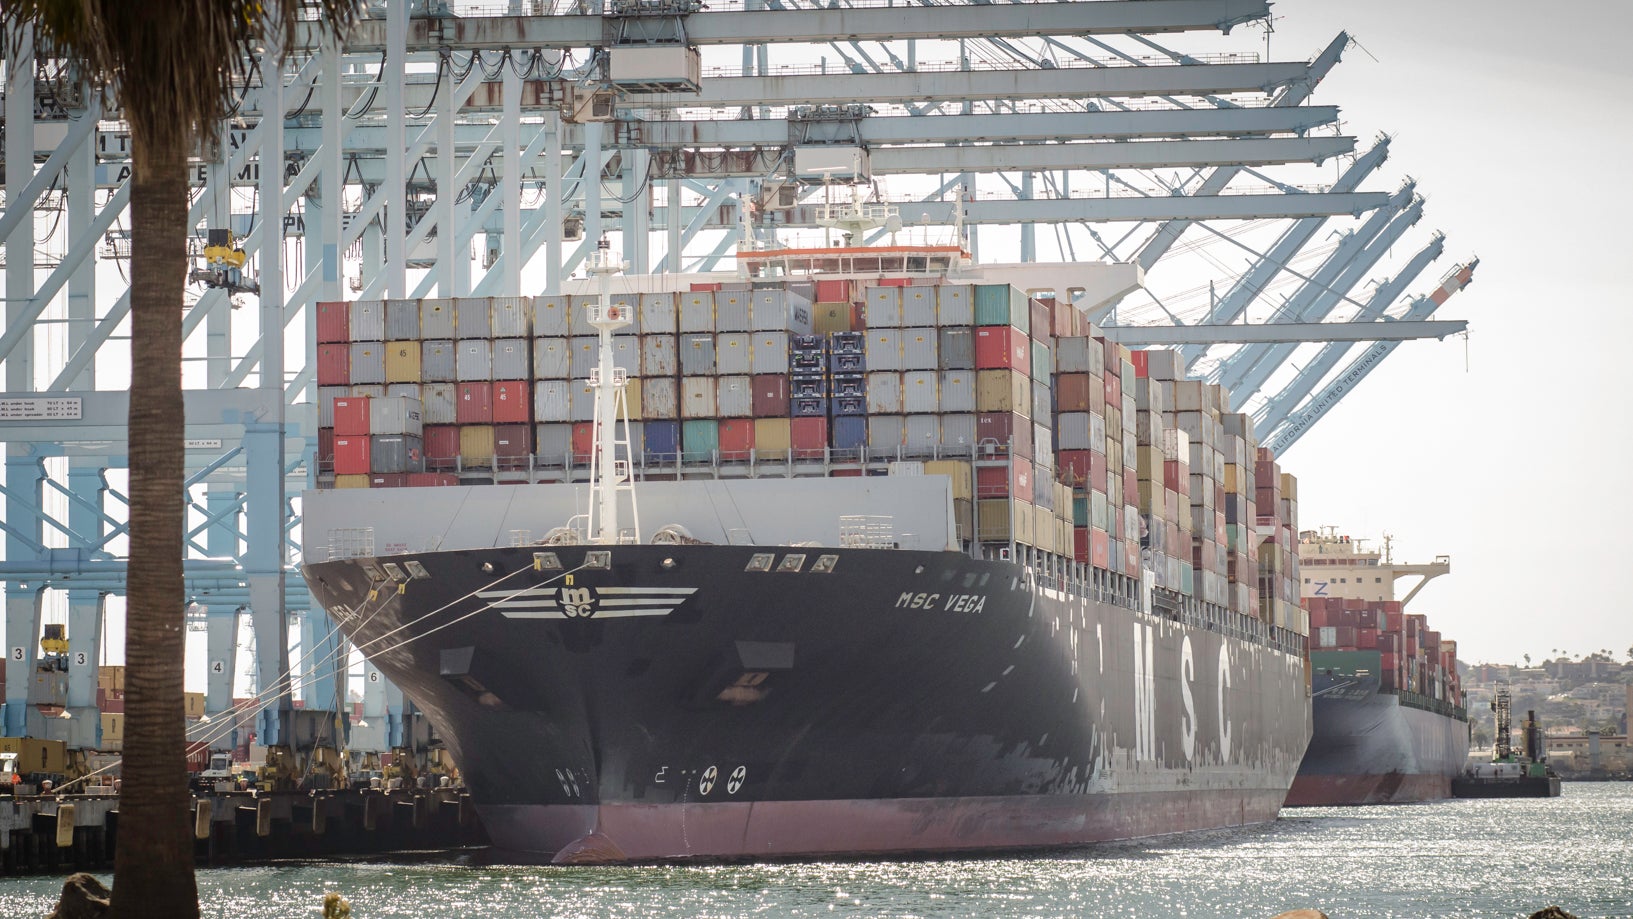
[{"x": 1482, "y": 859}]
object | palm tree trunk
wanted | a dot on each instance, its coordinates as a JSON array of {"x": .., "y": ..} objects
[{"x": 154, "y": 863}]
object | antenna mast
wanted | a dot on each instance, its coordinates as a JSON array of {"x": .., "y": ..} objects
[{"x": 608, "y": 474}]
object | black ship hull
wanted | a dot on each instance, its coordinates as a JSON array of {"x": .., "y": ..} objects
[
  {"x": 1372, "y": 747},
  {"x": 722, "y": 702}
]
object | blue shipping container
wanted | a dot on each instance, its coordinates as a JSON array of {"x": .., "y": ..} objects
[
  {"x": 850, "y": 432},
  {"x": 662, "y": 439}
]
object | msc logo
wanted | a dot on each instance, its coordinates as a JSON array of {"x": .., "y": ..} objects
[
  {"x": 577, "y": 602},
  {"x": 596, "y": 603}
]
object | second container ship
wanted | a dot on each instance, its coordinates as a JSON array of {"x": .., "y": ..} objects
[
  {"x": 922, "y": 563},
  {"x": 1387, "y": 702}
]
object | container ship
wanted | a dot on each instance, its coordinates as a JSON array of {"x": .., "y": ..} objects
[
  {"x": 857, "y": 552},
  {"x": 1387, "y": 702}
]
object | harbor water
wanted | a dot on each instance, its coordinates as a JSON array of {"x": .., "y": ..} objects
[{"x": 1497, "y": 858}]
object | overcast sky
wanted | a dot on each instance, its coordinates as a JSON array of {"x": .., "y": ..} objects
[{"x": 1514, "y": 121}]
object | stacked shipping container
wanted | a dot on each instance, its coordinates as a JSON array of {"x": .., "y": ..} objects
[{"x": 1414, "y": 658}]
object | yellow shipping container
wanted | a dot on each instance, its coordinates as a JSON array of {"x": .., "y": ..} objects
[
  {"x": 402, "y": 362},
  {"x": 632, "y": 398},
  {"x": 1003, "y": 391},
  {"x": 772, "y": 438},
  {"x": 113, "y": 731},
  {"x": 35, "y": 755},
  {"x": 957, "y": 470},
  {"x": 1043, "y": 528},
  {"x": 352, "y": 481},
  {"x": 831, "y": 317},
  {"x": 963, "y": 516},
  {"x": 1148, "y": 463},
  {"x": 193, "y": 705},
  {"x": 476, "y": 445},
  {"x": 996, "y": 516},
  {"x": 1289, "y": 486},
  {"x": 111, "y": 676}
]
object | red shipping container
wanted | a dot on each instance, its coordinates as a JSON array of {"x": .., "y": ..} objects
[
  {"x": 1072, "y": 467},
  {"x": 1062, "y": 318},
  {"x": 844, "y": 473},
  {"x": 351, "y": 415},
  {"x": 1176, "y": 476},
  {"x": 1131, "y": 489},
  {"x": 1080, "y": 544},
  {"x": 326, "y": 449},
  {"x": 808, "y": 437},
  {"x": 475, "y": 403},
  {"x": 1097, "y": 472},
  {"x": 335, "y": 365},
  {"x": 512, "y": 403},
  {"x": 425, "y": 479},
  {"x": 1005, "y": 481},
  {"x": 701, "y": 286},
  {"x": 1005, "y": 428},
  {"x": 1142, "y": 363},
  {"x": 833, "y": 291},
  {"x": 1114, "y": 388},
  {"x": 770, "y": 395},
  {"x": 1002, "y": 347},
  {"x": 859, "y": 317},
  {"x": 1072, "y": 392},
  {"x": 334, "y": 321},
  {"x": 441, "y": 442},
  {"x": 736, "y": 438},
  {"x": 1040, "y": 319},
  {"x": 895, "y": 282},
  {"x": 584, "y": 440},
  {"x": 1099, "y": 548},
  {"x": 388, "y": 480},
  {"x": 352, "y": 455},
  {"x": 512, "y": 441}
]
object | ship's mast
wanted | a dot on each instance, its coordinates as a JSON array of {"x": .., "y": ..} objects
[{"x": 608, "y": 475}]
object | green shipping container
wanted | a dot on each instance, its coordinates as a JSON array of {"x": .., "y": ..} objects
[
  {"x": 1080, "y": 510},
  {"x": 1000, "y": 304},
  {"x": 1043, "y": 363},
  {"x": 699, "y": 439}
]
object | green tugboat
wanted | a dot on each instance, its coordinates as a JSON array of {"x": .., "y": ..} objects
[{"x": 1509, "y": 774}]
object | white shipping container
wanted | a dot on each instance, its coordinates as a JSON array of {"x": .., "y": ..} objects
[
  {"x": 733, "y": 311},
  {"x": 697, "y": 397},
  {"x": 402, "y": 320},
  {"x": 919, "y": 348},
  {"x": 922, "y": 435},
  {"x": 883, "y": 308},
  {"x": 658, "y": 314},
  {"x": 770, "y": 352},
  {"x": 697, "y": 355},
  {"x": 368, "y": 320},
  {"x": 473, "y": 360},
  {"x": 918, "y": 305},
  {"x": 554, "y": 445},
  {"x": 1072, "y": 354},
  {"x": 440, "y": 402},
  {"x": 955, "y": 349},
  {"x": 578, "y": 314},
  {"x": 586, "y": 351},
  {"x": 473, "y": 317},
  {"x": 326, "y": 403},
  {"x": 732, "y": 353},
  {"x": 511, "y": 360},
  {"x": 734, "y": 397},
  {"x": 884, "y": 392},
  {"x": 1074, "y": 430},
  {"x": 957, "y": 431},
  {"x": 626, "y": 354},
  {"x": 921, "y": 392},
  {"x": 1097, "y": 432},
  {"x": 512, "y": 317},
  {"x": 884, "y": 348},
  {"x": 552, "y": 359},
  {"x": 398, "y": 415},
  {"x": 658, "y": 356},
  {"x": 955, "y": 305},
  {"x": 957, "y": 391},
  {"x": 887, "y": 434},
  {"x": 368, "y": 361},
  {"x": 437, "y": 319},
  {"x": 780, "y": 311},
  {"x": 438, "y": 362},
  {"x": 552, "y": 400},
  {"x": 697, "y": 311},
  {"x": 581, "y": 399},
  {"x": 410, "y": 390},
  {"x": 550, "y": 317},
  {"x": 367, "y": 390},
  {"x": 660, "y": 398}
]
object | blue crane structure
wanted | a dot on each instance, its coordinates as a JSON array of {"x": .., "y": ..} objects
[{"x": 371, "y": 169}]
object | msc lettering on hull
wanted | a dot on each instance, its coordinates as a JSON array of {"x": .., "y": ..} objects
[{"x": 953, "y": 603}]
